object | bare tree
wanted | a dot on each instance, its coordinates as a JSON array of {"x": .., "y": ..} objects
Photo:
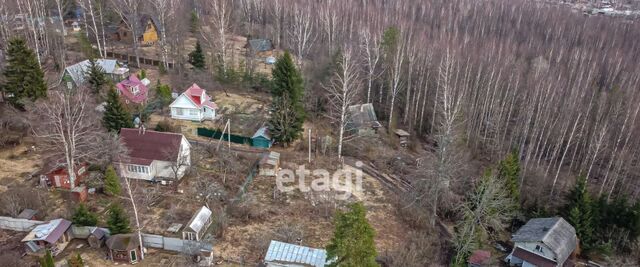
[
  {"x": 343, "y": 91},
  {"x": 88, "y": 8},
  {"x": 221, "y": 12},
  {"x": 301, "y": 32},
  {"x": 371, "y": 48},
  {"x": 66, "y": 125},
  {"x": 129, "y": 12},
  {"x": 166, "y": 11}
]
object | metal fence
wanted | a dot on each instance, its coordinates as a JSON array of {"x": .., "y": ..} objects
[
  {"x": 191, "y": 247},
  {"x": 20, "y": 225},
  {"x": 215, "y": 134}
]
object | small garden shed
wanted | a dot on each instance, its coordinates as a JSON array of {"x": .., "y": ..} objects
[{"x": 262, "y": 138}]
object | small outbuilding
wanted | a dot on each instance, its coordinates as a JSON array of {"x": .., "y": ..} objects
[
  {"x": 403, "y": 136},
  {"x": 479, "y": 258},
  {"x": 362, "y": 120},
  {"x": 124, "y": 248},
  {"x": 198, "y": 225},
  {"x": 282, "y": 254},
  {"x": 269, "y": 164},
  {"x": 53, "y": 236},
  {"x": 57, "y": 175},
  {"x": 97, "y": 237},
  {"x": 262, "y": 138},
  {"x": 27, "y": 214}
]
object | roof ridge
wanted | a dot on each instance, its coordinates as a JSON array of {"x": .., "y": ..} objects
[{"x": 555, "y": 224}]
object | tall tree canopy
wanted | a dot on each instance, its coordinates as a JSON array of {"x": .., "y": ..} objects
[
  {"x": 118, "y": 222},
  {"x": 509, "y": 172},
  {"x": 287, "y": 109},
  {"x": 24, "y": 79},
  {"x": 352, "y": 244},
  {"x": 115, "y": 115}
]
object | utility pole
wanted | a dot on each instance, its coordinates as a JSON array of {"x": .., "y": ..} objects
[{"x": 309, "y": 145}]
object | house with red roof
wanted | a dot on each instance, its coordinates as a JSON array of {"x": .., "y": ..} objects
[
  {"x": 194, "y": 105},
  {"x": 154, "y": 156},
  {"x": 133, "y": 90}
]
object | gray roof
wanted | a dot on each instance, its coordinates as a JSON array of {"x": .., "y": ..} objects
[
  {"x": 78, "y": 71},
  {"x": 554, "y": 232},
  {"x": 27, "y": 214},
  {"x": 362, "y": 116},
  {"x": 199, "y": 219},
  {"x": 260, "y": 45},
  {"x": 280, "y": 252},
  {"x": 264, "y": 132}
]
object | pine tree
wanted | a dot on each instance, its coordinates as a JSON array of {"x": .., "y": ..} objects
[
  {"x": 24, "y": 79},
  {"x": 287, "y": 91},
  {"x": 47, "y": 260},
  {"x": 163, "y": 91},
  {"x": 115, "y": 115},
  {"x": 82, "y": 216},
  {"x": 353, "y": 240},
  {"x": 509, "y": 172},
  {"x": 111, "y": 182},
  {"x": 578, "y": 212},
  {"x": 96, "y": 76},
  {"x": 196, "y": 57},
  {"x": 117, "y": 222}
]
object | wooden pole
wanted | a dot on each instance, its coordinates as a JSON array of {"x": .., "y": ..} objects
[{"x": 309, "y": 145}]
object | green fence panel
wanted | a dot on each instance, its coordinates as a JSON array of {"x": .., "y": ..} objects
[{"x": 238, "y": 139}]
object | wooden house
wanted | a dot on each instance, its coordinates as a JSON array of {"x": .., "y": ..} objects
[
  {"x": 124, "y": 248},
  {"x": 76, "y": 74},
  {"x": 198, "y": 225},
  {"x": 259, "y": 48},
  {"x": 97, "y": 237},
  {"x": 544, "y": 242},
  {"x": 147, "y": 29},
  {"x": 58, "y": 176},
  {"x": 193, "y": 105},
  {"x": 154, "y": 156},
  {"x": 53, "y": 236}
]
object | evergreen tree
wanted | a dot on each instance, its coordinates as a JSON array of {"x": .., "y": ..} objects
[
  {"x": 163, "y": 91},
  {"x": 96, "y": 76},
  {"x": 82, "y": 216},
  {"x": 196, "y": 57},
  {"x": 24, "y": 79},
  {"x": 142, "y": 75},
  {"x": 287, "y": 91},
  {"x": 509, "y": 172},
  {"x": 353, "y": 241},
  {"x": 115, "y": 115},
  {"x": 117, "y": 222},
  {"x": 111, "y": 182},
  {"x": 194, "y": 22},
  {"x": 47, "y": 260},
  {"x": 579, "y": 213}
]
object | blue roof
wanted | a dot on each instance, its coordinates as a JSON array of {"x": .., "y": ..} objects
[{"x": 289, "y": 253}]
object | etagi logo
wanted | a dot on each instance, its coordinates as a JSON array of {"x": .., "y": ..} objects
[{"x": 344, "y": 181}]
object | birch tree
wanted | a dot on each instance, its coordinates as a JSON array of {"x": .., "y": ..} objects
[
  {"x": 129, "y": 12},
  {"x": 301, "y": 33},
  {"x": 165, "y": 11},
  {"x": 343, "y": 92}
]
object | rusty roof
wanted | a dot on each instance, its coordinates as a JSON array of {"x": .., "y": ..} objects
[{"x": 145, "y": 146}]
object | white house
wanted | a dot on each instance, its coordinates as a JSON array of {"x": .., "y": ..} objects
[
  {"x": 154, "y": 156},
  {"x": 194, "y": 105},
  {"x": 543, "y": 242}
]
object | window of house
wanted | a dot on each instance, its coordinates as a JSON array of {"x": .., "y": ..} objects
[
  {"x": 193, "y": 112},
  {"x": 538, "y": 248},
  {"x": 124, "y": 34},
  {"x": 135, "y": 90},
  {"x": 179, "y": 111}
]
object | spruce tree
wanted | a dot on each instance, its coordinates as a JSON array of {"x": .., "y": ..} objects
[
  {"x": 111, "y": 182},
  {"x": 196, "y": 57},
  {"x": 353, "y": 241},
  {"x": 578, "y": 212},
  {"x": 82, "y": 216},
  {"x": 115, "y": 115},
  {"x": 509, "y": 172},
  {"x": 95, "y": 76},
  {"x": 117, "y": 222},
  {"x": 24, "y": 79},
  {"x": 287, "y": 91}
]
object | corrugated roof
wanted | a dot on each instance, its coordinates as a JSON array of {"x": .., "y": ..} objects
[
  {"x": 554, "y": 232},
  {"x": 289, "y": 253},
  {"x": 124, "y": 87},
  {"x": 49, "y": 232},
  {"x": 78, "y": 71},
  {"x": 199, "y": 219},
  {"x": 27, "y": 214},
  {"x": 264, "y": 132}
]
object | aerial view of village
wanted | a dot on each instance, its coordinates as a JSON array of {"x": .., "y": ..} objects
[{"x": 313, "y": 133}]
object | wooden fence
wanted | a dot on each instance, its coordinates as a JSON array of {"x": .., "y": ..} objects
[{"x": 132, "y": 59}]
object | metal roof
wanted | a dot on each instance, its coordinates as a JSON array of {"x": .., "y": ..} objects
[
  {"x": 554, "y": 232},
  {"x": 27, "y": 214},
  {"x": 78, "y": 71},
  {"x": 199, "y": 219},
  {"x": 280, "y": 252},
  {"x": 260, "y": 45},
  {"x": 49, "y": 232},
  {"x": 362, "y": 115},
  {"x": 264, "y": 132}
]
